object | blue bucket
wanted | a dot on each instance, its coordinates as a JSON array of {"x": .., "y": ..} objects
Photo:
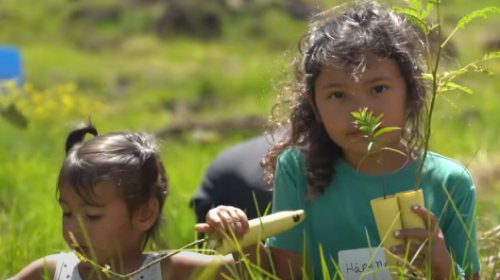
[{"x": 11, "y": 67}]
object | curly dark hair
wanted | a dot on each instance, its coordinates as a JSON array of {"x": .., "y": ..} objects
[
  {"x": 127, "y": 159},
  {"x": 348, "y": 33}
]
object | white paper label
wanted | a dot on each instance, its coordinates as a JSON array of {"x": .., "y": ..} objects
[{"x": 364, "y": 263}]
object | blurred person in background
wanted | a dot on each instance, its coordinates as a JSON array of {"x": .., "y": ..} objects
[{"x": 234, "y": 178}]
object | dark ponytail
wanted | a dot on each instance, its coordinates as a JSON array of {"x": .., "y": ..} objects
[{"x": 78, "y": 134}]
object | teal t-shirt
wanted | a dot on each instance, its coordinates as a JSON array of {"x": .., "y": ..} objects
[{"x": 342, "y": 219}]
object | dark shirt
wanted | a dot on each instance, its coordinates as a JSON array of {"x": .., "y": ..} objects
[{"x": 233, "y": 177}]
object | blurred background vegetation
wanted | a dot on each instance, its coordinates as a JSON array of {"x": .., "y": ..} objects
[{"x": 199, "y": 74}]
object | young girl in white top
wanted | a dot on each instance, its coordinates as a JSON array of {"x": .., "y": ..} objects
[{"x": 111, "y": 189}]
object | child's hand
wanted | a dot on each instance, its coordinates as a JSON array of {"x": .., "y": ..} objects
[
  {"x": 422, "y": 238},
  {"x": 224, "y": 219}
]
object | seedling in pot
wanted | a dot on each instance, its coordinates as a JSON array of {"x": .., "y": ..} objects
[{"x": 391, "y": 212}]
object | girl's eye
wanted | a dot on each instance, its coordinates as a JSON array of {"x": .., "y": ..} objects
[
  {"x": 379, "y": 89},
  {"x": 337, "y": 95}
]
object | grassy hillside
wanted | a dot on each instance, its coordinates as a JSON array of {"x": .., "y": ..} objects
[{"x": 126, "y": 77}]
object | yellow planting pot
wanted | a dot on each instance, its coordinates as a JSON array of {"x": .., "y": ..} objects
[
  {"x": 409, "y": 219},
  {"x": 394, "y": 213},
  {"x": 406, "y": 200},
  {"x": 387, "y": 218}
]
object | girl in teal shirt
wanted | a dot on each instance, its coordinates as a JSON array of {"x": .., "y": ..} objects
[{"x": 363, "y": 57}]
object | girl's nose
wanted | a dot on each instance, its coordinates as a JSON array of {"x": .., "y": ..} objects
[{"x": 358, "y": 102}]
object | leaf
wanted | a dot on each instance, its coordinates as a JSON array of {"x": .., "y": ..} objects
[
  {"x": 483, "y": 13},
  {"x": 415, "y": 4},
  {"x": 356, "y": 115},
  {"x": 449, "y": 86},
  {"x": 385, "y": 130},
  {"x": 415, "y": 18},
  {"x": 428, "y": 8},
  {"x": 491, "y": 55},
  {"x": 375, "y": 127},
  {"x": 473, "y": 66},
  {"x": 409, "y": 12},
  {"x": 14, "y": 116},
  {"x": 365, "y": 129},
  {"x": 394, "y": 150},
  {"x": 370, "y": 146},
  {"x": 427, "y": 76}
]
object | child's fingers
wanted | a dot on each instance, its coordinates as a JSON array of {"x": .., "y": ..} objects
[
  {"x": 202, "y": 227},
  {"x": 236, "y": 220},
  {"x": 214, "y": 220},
  {"x": 434, "y": 231},
  {"x": 430, "y": 221},
  {"x": 412, "y": 233},
  {"x": 427, "y": 216},
  {"x": 241, "y": 220},
  {"x": 226, "y": 218}
]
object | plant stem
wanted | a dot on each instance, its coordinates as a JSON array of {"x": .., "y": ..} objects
[
  {"x": 129, "y": 275},
  {"x": 435, "y": 85}
]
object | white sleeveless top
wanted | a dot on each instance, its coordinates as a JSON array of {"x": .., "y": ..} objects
[{"x": 67, "y": 268}]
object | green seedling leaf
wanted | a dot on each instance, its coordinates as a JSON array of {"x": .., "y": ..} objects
[
  {"x": 409, "y": 12},
  {"x": 370, "y": 146},
  {"x": 385, "y": 130},
  {"x": 414, "y": 4},
  {"x": 415, "y": 18},
  {"x": 394, "y": 150},
  {"x": 374, "y": 128},
  {"x": 491, "y": 55},
  {"x": 371, "y": 127},
  {"x": 427, "y": 76},
  {"x": 474, "y": 66},
  {"x": 428, "y": 7},
  {"x": 356, "y": 115},
  {"x": 449, "y": 86},
  {"x": 483, "y": 13},
  {"x": 365, "y": 129}
]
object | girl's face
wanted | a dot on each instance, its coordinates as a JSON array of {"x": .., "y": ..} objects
[
  {"x": 381, "y": 88},
  {"x": 107, "y": 222}
]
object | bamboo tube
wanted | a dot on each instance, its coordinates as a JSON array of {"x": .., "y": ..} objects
[
  {"x": 262, "y": 228},
  {"x": 406, "y": 200},
  {"x": 409, "y": 219},
  {"x": 387, "y": 217}
]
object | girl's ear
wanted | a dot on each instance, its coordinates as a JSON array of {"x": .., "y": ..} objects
[
  {"x": 146, "y": 215},
  {"x": 310, "y": 100}
]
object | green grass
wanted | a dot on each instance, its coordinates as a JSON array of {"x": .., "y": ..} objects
[{"x": 234, "y": 76}]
